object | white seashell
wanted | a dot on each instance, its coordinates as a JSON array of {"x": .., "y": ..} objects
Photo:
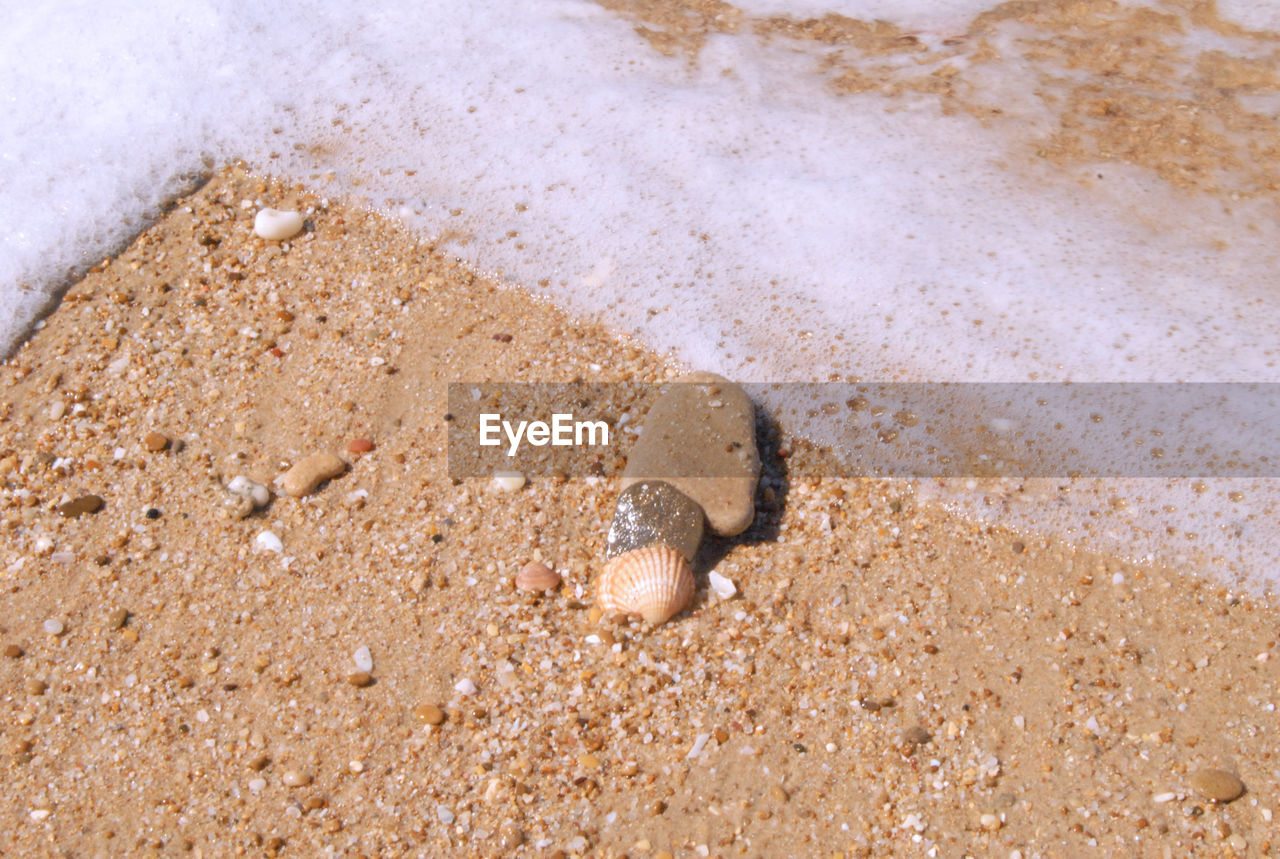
[
  {"x": 654, "y": 582},
  {"x": 277, "y": 225}
]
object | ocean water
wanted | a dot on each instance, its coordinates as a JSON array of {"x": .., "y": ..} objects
[{"x": 775, "y": 190}]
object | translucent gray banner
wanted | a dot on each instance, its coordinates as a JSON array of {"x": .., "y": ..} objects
[{"x": 1170, "y": 430}]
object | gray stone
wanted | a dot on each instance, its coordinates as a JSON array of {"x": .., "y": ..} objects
[
  {"x": 700, "y": 437},
  {"x": 653, "y": 513}
]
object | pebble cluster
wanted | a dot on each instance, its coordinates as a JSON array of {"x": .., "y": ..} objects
[{"x": 366, "y": 667}]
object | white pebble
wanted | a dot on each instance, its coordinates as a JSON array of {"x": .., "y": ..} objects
[
  {"x": 509, "y": 481},
  {"x": 363, "y": 659},
  {"x": 246, "y": 488},
  {"x": 257, "y": 784},
  {"x": 445, "y": 815},
  {"x": 53, "y": 626},
  {"x": 723, "y": 587},
  {"x": 268, "y": 542},
  {"x": 40, "y": 815},
  {"x": 699, "y": 742},
  {"x": 1164, "y": 797},
  {"x": 276, "y": 225},
  {"x": 465, "y": 686}
]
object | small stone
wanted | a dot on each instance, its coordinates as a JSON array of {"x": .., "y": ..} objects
[
  {"x": 77, "y": 507},
  {"x": 155, "y": 441},
  {"x": 589, "y": 762},
  {"x": 35, "y": 687},
  {"x": 259, "y": 763},
  {"x": 429, "y": 713},
  {"x": 1216, "y": 785},
  {"x": 510, "y": 836},
  {"x": 445, "y": 815},
  {"x": 359, "y": 445},
  {"x": 242, "y": 487},
  {"x": 653, "y": 512},
  {"x": 916, "y": 736},
  {"x": 310, "y": 472},
  {"x": 990, "y": 822},
  {"x": 360, "y": 679},
  {"x": 509, "y": 481},
  {"x": 117, "y": 618},
  {"x": 268, "y": 542},
  {"x": 465, "y": 686},
  {"x": 13, "y": 651},
  {"x": 40, "y": 815},
  {"x": 363, "y": 659},
  {"x": 535, "y": 576},
  {"x": 53, "y": 626},
  {"x": 277, "y": 225},
  {"x": 700, "y": 436},
  {"x": 721, "y": 586},
  {"x": 296, "y": 778}
]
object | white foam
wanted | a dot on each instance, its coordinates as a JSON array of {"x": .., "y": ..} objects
[{"x": 724, "y": 208}]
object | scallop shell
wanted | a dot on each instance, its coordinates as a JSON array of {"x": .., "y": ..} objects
[{"x": 654, "y": 582}]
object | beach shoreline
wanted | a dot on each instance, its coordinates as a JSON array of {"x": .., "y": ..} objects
[{"x": 890, "y": 679}]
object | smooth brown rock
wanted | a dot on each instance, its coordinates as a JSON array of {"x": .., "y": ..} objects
[
  {"x": 700, "y": 437},
  {"x": 77, "y": 507},
  {"x": 1216, "y": 785},
  {"x": 310, "y": 472}
]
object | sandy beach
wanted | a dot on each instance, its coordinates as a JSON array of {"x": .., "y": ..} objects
[{"x": 889, "y": 680}]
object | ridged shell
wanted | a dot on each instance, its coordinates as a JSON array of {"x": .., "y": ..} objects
[{"x": 654, "y": 582}]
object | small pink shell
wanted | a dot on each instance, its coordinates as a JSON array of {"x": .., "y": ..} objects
[
  {"x": 534, "y": 576},
  {"x": 654, "y": 582}
]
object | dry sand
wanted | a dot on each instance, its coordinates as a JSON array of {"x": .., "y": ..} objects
[{"x": 889, "y": 680}]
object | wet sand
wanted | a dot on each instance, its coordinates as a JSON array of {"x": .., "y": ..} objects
[{"x": 890, "y": 680}]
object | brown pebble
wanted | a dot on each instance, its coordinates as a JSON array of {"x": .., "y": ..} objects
[
  {"x": 155, "y": 442},
  {"x": 13, "y": 651},
  {"x": 360, "y": 679},
  {"x": 360, "y": 445},
  {"x": 77, "y": 507},
  {"x": 534, "y": 576},
  {"x": 36, "y": 687},
  {"x": 117, "y": 618},
  {"x": 916, "y": 736},
  {"x": 310, "y": 472},
  {"x": 259, "y": 763},
  {"x": 1216, "y": 785},
  {"x": 429, "y": 713},
  {"x": 722, "y": 736}
]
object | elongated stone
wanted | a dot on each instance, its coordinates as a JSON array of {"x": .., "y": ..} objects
[{"x": 700, "y": 437}]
